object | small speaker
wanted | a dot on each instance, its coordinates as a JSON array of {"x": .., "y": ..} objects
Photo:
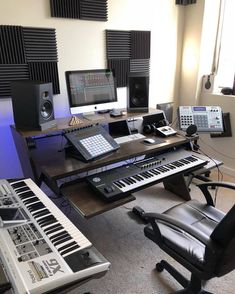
[
  {"x": 32, "y": 103},
  {"x": 191, "y": 130},
  {"x": 138, "y": 92}
]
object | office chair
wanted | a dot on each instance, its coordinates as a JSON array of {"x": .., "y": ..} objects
[{"x": 198, "y": 236}]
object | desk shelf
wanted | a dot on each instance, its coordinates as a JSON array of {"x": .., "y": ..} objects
[{"x": 87, "y": 203}]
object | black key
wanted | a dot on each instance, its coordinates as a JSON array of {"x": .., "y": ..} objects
[
  {"x": 31, "y": 200},
  {"x": 26, "y": 195},
  {"x": 69, "y": 249},
  {"x": 67, "y": 246},
  {"x": 40, "y": 213},
  {"x": 63, "y": 240},
  {"x": 55, "y": 229},
  {"x": 23, "y": 189},
  {"x": 46, "y": 219},
  {"x": 51, "y": 221},
  {"x": 126, "y": 181},
  {"x": 36, "y": 206},
  {"x": 118, "y": 184},
  {"x": 18, "y": 185},
  {"x": 52, "y": 227},
  {"x": 58, "y": 236}
]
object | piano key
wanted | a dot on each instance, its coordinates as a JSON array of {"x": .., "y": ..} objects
[
  {"x": 69, "y": 250},
  {"x": 62, "y": 241},
  {"x": 18, "y": 184}
]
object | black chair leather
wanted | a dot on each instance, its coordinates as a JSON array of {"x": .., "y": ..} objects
[{"x": 198, "y": 236}]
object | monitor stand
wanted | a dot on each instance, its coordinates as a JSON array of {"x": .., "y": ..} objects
[{"x": 92, "y": 116}]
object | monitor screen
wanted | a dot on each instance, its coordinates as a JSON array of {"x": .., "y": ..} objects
[{"x": 90, "y": 90}]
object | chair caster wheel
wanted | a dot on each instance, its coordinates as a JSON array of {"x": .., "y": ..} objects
[{"x": 159, "y": 267}]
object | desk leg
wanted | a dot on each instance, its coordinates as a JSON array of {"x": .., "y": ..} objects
[
  {"x": 52, "y": 184},
  {"x": 26, "y": 162},
  {"x": 178, "y": 186}
]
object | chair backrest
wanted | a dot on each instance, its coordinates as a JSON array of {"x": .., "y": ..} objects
[{"x": 224, "y": 235}]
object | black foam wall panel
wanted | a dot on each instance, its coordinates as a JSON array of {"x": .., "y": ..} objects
[
  {"x": 45, "y": 72},
  {"x": 80, "y": 9},
  {"x": 65, "y": 9},
  {"x": 27, "y": 53},
  {"x": 40, "y": 44},
  {"x": 140, "y": 65},
  {"x": 128, "y": 52},
  {"x": 9, "y": 73},
  {"x": 120, "y": 67},
  {"x": 11, "y": 45},
  {"x": 118, "y": 44},
  {"x": 140, "y": 44},
  {"x": 93, "y": 10}
]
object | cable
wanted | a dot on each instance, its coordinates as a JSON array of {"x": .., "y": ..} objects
[
  {"x": 174, "y": 121},
  {"x": 230, "y": 157},
  {"x": 219, "y": 173}
]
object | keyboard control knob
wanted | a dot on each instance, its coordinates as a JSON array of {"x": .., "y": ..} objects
[
  {"x": 108, "y": 189},
  {"x": 96, "y": 179}
]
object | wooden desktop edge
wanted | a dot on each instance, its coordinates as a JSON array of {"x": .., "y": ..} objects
[
  {"x": 87, "y": 202},
  {"x": 63, "y": 123}
]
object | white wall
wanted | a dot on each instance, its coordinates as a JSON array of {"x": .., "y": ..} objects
[
  {"x": 81, "y": 44},
  {"x": 197, "y": 57}
]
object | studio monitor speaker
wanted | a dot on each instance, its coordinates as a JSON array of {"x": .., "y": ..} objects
[
  {"x": 138, "y": 92},
  {"x": 32, "y": 103}
]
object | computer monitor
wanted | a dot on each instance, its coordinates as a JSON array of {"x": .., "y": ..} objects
[{"x": 91, "y": 90}]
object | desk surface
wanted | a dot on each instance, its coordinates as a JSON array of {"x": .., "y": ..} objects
[
  {"x": 49, "y": 160},
  {"x": 63, "y": 123}
]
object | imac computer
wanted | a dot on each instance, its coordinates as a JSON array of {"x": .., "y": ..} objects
[{"x": 90, "y": 91}]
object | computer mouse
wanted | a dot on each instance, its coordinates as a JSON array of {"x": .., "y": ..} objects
[{"x": 149, "y": 141}]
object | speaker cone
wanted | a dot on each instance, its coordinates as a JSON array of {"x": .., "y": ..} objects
[{"x": 46, "y": 109}]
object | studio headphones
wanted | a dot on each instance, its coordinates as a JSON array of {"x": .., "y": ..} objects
[{"x": 150, "y": 128}]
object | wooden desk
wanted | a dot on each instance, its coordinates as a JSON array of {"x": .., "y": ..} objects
[{"x": 49, "y": 163}]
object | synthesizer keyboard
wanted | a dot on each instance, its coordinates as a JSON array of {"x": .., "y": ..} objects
[
  {"x": 118, "y": 182},
  {"x": 46, "y": 251}
]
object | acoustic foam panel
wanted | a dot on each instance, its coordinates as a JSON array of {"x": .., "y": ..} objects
[
  {"x": 121, "y": 68},
  {"x": 128, "y": 51},
  {"x": 40, "y": 44},
  {"x": 45, "y": 72},
  {"x": 83, "y": 9},
  {"x": 65, "y": 9},
  {"x": 20, "y": 47},
  {"x": 118, "y": 44},
  {"x": 185, "y": 2},
  {"x": 11, "y": 45},
  {"x": 140, "y": 44},
  {"x": 140, "y": 65},
  {"x": 9, "y": 73}
]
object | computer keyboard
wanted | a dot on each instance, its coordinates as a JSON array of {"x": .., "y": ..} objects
[{"x": 129, "y": 138}]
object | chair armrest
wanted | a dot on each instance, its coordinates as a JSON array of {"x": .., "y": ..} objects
[
  {"x": 204, "y": 188},
  {"x": 206, "y": 240}
]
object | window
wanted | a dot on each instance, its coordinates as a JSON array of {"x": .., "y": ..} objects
[{"x": 226, "y": 65}]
